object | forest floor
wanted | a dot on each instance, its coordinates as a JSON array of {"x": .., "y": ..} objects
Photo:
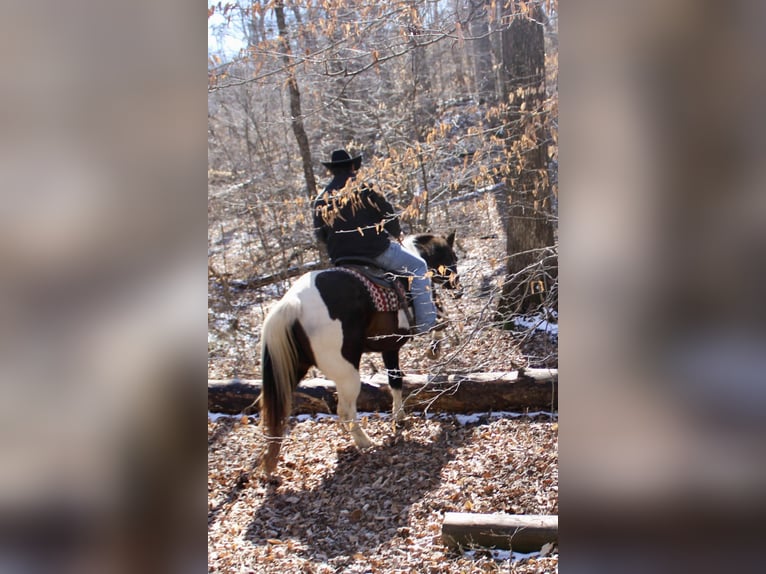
[{"x": 331, "y": 508}]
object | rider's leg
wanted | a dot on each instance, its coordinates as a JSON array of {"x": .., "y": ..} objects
[{"x": 396, "y": 259}]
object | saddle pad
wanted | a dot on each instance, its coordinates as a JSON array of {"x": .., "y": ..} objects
[{"x": 383, "y": 298}]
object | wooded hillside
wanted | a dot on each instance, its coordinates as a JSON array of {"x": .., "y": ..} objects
[{"x": 454, "y": 108}]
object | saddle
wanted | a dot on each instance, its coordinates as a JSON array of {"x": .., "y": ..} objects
[{"x": 387, "y": 290}]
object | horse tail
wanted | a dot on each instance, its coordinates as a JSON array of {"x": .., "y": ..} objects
[{"x": 280, "y": 373}]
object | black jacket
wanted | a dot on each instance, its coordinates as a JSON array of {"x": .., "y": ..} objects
[{"x": 359, "y": 223}]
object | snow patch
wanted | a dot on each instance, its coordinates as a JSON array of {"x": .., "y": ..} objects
[
  {"x": 216, "y": 416},
  {"x": 468, "y": 419},
  {"x": 505, "y": 555},
  {"x": 538, "y": 323},
  {"x": 460, "y": 418}
]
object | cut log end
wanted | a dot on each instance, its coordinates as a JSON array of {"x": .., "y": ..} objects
[{"x": 515, "y": 532}]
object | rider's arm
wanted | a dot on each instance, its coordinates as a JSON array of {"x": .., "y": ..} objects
[{"x": 321, "y": 228}]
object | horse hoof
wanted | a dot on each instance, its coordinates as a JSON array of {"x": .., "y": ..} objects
[
  {"x": 363, "y": 443},
  {"x": 434, "y": 350},
  {"x": 401, "y": 422}
]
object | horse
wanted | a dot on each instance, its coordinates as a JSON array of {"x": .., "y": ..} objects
[{"x": 328, "y": 319}]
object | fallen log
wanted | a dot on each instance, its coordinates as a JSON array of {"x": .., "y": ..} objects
[
  {"x": 535, "y": 389},
  {"x": 262, "y": 280},
  {"x": 516, "y": 532}
]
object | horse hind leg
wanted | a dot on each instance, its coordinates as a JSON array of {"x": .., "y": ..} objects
[
  {"x": 275, "y": 436},
  {"x": 274, "y": 443},
  {"x": 270, "y": 458}
]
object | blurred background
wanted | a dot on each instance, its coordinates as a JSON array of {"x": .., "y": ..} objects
[
  {"x": 662, "y": 338},
  {"x": 103, "y": 327}
]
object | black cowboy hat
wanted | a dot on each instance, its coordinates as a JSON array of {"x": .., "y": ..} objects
[{"x": 341, "y": 158}]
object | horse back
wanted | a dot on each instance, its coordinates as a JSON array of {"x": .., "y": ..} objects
[{"x": 350, "y": 300}]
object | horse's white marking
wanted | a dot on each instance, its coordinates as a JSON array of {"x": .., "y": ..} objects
[
  {"x": 402, "y": 321},
  {"x": 397, "y": 410},
  {"x": 409, "y": 244},
  {"x": 325, "y": 336}
]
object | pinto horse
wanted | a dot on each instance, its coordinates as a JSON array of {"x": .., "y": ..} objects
[{"x": 327, "y": 319}]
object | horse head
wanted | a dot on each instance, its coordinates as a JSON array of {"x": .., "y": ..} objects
[{"x": 439, "y": 253}]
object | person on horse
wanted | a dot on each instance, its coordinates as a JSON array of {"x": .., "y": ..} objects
[{"x": 354, "y": 220}]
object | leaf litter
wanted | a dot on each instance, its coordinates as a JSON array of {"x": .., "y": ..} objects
[{"x": 332, "y": 508}]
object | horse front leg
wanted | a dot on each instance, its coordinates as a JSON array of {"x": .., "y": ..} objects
[
  {"x": 395, "y": 376},
  {"x": 348, "y": 388},
  {"x": 437, "y": 335}
]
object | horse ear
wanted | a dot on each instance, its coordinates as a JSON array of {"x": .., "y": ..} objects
[{"x": 451, "y": 239}]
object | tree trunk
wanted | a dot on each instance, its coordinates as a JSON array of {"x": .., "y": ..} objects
[
  {"x": 535, "y": 389},
  {"x": 296, "y": 115},
  {"x": 532, "y": 260}
]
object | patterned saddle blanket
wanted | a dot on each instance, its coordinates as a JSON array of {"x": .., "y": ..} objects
[{"x": 385, "y": 299}]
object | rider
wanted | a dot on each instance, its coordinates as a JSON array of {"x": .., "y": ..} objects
[{"x": 354, "y": 220}]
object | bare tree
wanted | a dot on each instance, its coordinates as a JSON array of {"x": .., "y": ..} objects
[
  {"x": 296, "y": 115},
  {"x": 486, "y": 87}
]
